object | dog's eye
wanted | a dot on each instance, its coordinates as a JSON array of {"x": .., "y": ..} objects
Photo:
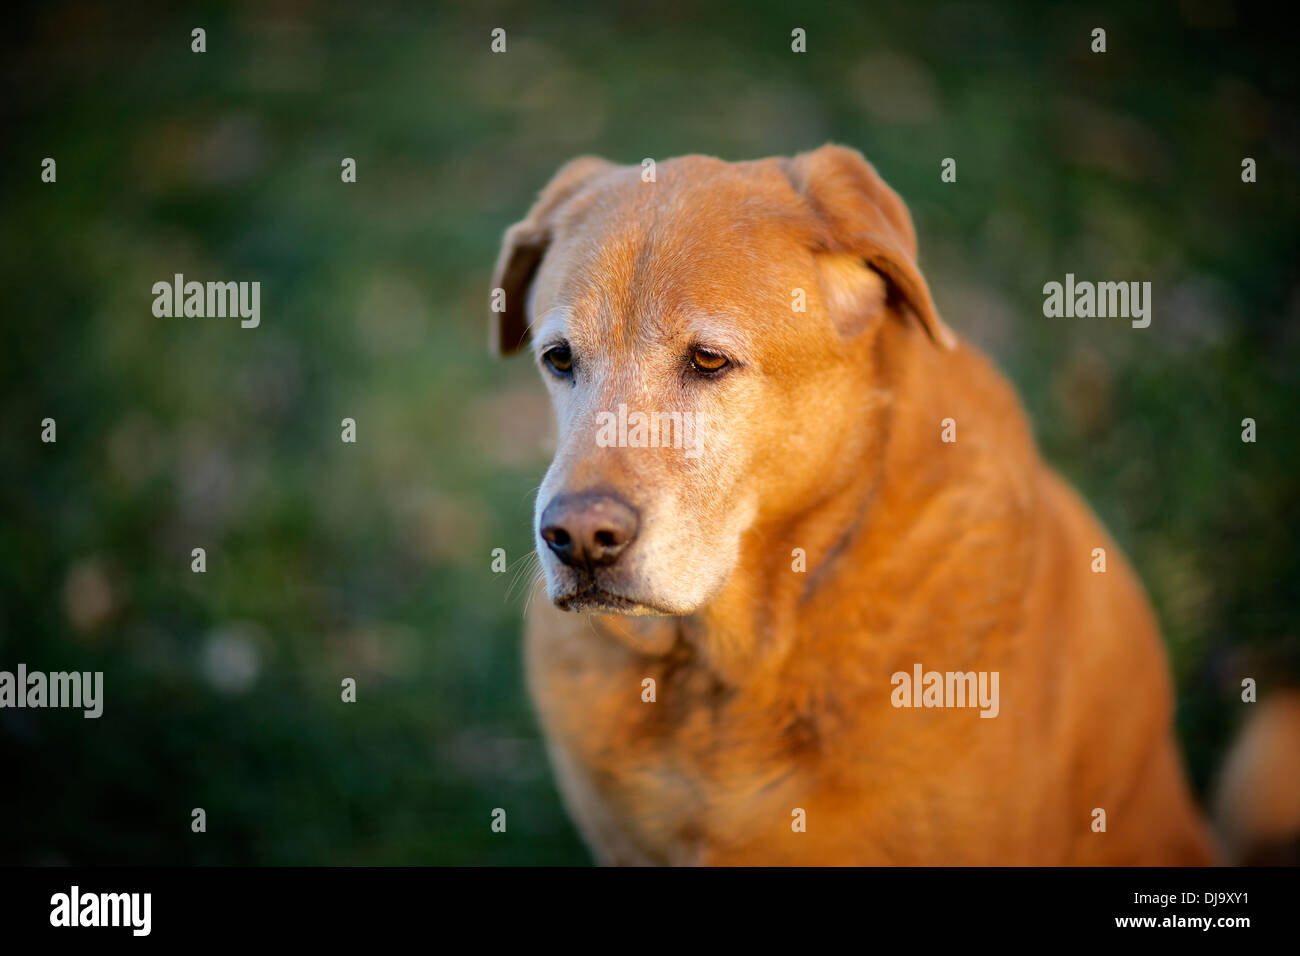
[
  {"x": 706, "y": 362},
  {"x": 559, "y": 360}
]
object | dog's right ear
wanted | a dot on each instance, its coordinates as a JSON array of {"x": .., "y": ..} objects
[{"x": 523, "y": 247}]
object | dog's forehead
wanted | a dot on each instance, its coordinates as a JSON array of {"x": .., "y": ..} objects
[
  {"x": 705, "y": 241},
  {"x": 687, "y": 202}
]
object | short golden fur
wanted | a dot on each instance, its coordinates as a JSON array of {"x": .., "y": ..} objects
[{"x": 772, "y": 686}]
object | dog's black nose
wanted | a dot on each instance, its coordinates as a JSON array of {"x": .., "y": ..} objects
[{"x": 588, "y": 530}]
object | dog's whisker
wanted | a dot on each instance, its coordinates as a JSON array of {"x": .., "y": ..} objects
[
  {"x": 538, "y": 580},
  {"x": 523, "y": 569}
]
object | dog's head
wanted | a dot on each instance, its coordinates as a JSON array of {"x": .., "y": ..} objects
[{"x": 703, "y": 330}]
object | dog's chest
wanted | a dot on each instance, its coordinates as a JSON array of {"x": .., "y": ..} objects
[{"x": 657, "y": 751}]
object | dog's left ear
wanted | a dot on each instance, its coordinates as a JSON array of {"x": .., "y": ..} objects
[
  {"x": 523, "y": 247},
  {"x": 862, "y": 217}
]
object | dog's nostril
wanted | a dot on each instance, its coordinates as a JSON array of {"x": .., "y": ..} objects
[{"x": 588, "y": 530}]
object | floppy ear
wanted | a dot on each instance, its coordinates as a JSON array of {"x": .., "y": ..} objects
[
  {"x": 523, "y": 247},
  {"x": 862, "y": 217}
]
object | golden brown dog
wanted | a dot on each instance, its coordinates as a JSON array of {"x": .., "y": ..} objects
[{"x": 857, "y": 501}]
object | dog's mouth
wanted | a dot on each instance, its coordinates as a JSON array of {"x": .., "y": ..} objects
[{"x": 588, "y": 596}]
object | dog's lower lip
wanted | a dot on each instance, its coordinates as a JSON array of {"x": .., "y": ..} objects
[{"x": 595, "y": 598}]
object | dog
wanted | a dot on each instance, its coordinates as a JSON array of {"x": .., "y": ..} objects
[{"x": 722, "y": 663}]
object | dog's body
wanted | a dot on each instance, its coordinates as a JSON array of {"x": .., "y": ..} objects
[{"x": 770, "y": 733}]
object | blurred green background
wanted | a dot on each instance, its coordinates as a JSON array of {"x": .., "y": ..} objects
[{"x": 328, "y": 560}]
